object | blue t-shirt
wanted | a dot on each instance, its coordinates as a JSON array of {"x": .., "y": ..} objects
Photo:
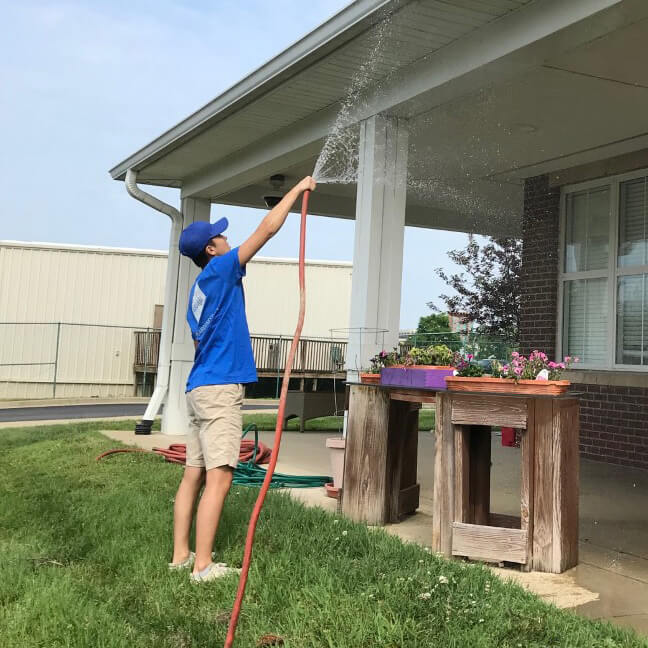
[{"x": 216, "y": 316}]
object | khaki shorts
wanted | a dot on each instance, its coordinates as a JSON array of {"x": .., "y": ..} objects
[{"x": 215, "y": 426}]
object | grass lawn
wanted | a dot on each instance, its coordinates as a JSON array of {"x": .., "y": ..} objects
[
  {"x": 84, "y": 548},
  {"x": 326, "y": 423},
  {"x": 268, "y": 422}
]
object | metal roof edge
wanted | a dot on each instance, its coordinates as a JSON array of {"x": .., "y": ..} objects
[
  {"x": 75, "y": 247},
  {"x": 283, "y": 63}
]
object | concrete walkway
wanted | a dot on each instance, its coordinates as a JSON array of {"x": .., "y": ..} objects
[{"x": 611, "y": 581}]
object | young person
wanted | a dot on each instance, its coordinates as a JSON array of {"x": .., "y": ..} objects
[{"x": 223, "y": 364}]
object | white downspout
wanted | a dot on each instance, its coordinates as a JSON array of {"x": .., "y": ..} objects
[{"x": 171, "y": 289}]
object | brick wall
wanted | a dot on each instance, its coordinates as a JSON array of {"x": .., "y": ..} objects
[
  {"x": 614, "y": 424},
  {"x": 540, "y": 234},
  {"x": 614, "y": 420}
]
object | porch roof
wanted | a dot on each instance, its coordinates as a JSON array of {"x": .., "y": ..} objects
[{"x": 495, "y": 91}]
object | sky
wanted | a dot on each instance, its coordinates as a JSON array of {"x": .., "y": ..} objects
[{"x": 85, "y": 84}]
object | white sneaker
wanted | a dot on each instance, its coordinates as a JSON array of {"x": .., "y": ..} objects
[
  {"x": 187, "y": 563},
  {"x": 212, "y": 572}
]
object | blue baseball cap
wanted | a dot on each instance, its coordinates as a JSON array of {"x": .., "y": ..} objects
[{"x": 195, "y": 237}]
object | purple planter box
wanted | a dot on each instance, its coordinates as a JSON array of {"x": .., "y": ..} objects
[{"x": 429, "y": 378}]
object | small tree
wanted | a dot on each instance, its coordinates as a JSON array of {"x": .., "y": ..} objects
[
  {"x": 435, "y": 323},
  {"x": 488, "y": 287},
  {"x": 435, "y": 329}
]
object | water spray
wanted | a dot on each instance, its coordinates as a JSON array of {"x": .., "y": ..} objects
[{"x": 249, "y": 540}]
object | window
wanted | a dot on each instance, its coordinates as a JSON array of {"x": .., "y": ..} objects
[{"x": 604, "y": 273}]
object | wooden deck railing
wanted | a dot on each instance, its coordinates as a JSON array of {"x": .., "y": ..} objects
[
  {"x": 147, "y": 350},
  {"x": 314, "y": 355}
]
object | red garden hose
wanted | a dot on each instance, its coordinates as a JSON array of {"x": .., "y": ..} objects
[
  {"x": 177, "y": 452},
  {"x": 249, "y": 541}
]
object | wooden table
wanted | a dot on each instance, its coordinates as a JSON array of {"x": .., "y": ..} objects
[{"x": 380, "y": 481}]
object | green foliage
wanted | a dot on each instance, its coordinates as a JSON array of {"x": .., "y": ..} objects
[
  {"x": 438, "y": 354},
  {"x": 384, "y": 359},
  {"x": 435, "y": 323},
  {"x": 466, "y": 366},
  {"x": 434, "y": 329},
  {"x": 486, "y": 290},
  {"x": 471, "y": 370}
]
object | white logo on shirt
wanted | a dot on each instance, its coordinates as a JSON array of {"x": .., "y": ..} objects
[{"x": 197, "y": 302}]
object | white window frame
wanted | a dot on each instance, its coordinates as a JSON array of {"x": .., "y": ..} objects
[{"x": 612, "y": 274}]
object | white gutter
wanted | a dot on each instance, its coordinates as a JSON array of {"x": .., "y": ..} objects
[{"x": 171, "y": 289}]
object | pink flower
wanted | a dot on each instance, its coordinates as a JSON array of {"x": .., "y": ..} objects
[
  {"x": 515, "y": 354},
  {"x": 561, "y": 365},
  {"x": 553, "y": 365},
  {"x": 518, "y": 371}
]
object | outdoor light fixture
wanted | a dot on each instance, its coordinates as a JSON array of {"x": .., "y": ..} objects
[{"x": 277, "y": 182}]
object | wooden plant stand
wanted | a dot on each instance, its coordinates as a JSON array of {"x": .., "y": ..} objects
[
  {"x": 380, "y": 458},
  {"x": 380, "y": 482},
  {"x": 545, "y": 537}
]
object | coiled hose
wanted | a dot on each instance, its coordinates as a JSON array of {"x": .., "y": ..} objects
[{"x": 248, "y": 472}]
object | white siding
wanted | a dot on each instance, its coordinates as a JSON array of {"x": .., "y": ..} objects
[
  {"x": 272, "y": 297},
  {"x": 74, "y": 284},
  {"x": 116, "y": 291}
]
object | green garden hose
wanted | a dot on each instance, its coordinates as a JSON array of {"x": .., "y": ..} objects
[
  {"x": 246, "y": 473},
  {"x": 249, "y": 473}
]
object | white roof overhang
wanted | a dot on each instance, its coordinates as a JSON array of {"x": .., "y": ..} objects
[{"x": 495, "y": 91}]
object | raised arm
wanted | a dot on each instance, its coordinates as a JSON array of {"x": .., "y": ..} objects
[{"x": 273, "y": 221}]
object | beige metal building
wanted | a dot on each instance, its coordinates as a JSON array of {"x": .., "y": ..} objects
[{"x": 70, "y": 316}]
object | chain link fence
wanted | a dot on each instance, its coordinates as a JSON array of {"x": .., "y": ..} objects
[
  {"x": 482, "y": 347},
  {"x": 71, "y": 360}
]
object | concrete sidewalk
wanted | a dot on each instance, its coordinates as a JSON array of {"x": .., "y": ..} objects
[{"x": 611, "y": 581}]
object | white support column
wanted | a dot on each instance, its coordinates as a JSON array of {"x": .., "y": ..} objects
[
  {"x": 379, "y": 234},
  {"x": 174, "y": 419}
]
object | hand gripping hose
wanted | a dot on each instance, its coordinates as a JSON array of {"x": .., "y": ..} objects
[{"x": 249, "y": 541}]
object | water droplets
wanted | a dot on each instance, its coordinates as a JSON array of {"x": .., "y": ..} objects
[{"x": 338, "y": 160}]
